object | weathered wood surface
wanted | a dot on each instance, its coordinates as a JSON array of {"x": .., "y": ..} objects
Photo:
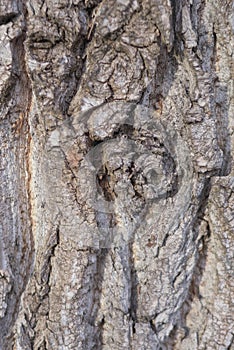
[{"x": 117, "y": 209}]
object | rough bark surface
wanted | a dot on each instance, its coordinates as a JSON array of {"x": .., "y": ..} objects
[{"x": 117, "y": 204}]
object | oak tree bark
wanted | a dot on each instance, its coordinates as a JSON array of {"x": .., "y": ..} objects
[{"x": 116, "y": 136}]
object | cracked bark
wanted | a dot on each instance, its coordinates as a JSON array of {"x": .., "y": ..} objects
[{"x": 116, "y": 173}]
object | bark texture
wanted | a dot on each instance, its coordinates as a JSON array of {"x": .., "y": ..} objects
[{"x": 117, "y": 204}]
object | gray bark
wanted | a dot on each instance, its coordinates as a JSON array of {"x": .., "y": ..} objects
[{"x": 116, "y": 136}]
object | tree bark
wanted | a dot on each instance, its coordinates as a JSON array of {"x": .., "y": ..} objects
[{"x": 116, "y": 187}]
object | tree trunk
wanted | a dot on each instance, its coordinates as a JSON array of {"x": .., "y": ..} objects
[{"x": 116, "y": 178}]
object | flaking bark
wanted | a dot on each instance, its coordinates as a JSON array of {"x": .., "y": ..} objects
[{"x": 116, "y": 136}]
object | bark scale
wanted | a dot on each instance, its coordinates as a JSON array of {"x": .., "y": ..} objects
[{"x": 116, "y": 174}]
